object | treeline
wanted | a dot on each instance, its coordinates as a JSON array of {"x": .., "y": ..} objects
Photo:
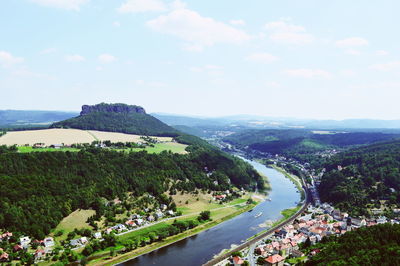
[
  {"x": 365, "y": 176},
  {"x": 375, "y": 245},
  {"x": 39, "y": 189},
  {"x": 131, "y": 123}
]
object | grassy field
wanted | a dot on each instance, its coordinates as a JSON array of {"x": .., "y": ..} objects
[
  {"x": 77, "y": 219},
  {"x": 167, "y": 146},
  {"x": 26, "y": 149},
  {"x": 67, "y": 136}
]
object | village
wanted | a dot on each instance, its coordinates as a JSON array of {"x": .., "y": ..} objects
[
  {"x": 286, "y": 246},
  {"x": 48, "y": 246}
]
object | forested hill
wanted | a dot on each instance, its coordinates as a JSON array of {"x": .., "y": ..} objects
[
  {"x": 302, "y": 144},
  {"x": 39, "y": 189},
  {"x": 356, "y": 180},
  {"x": 123, "y": 118},
  {"x": 375, "y": 245}
]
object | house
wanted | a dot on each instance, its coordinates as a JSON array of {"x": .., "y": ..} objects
[
  {"x": 83, "y": 240},
  {"x": 170, "y": 212},
  {"x": 40, "y": 253},
  {"x": 130, "y": 223},
  {"x": 297, "y": 253},
  {"x": 150, "y": 218},
  {"x": 274, "y": 260},
  {"x": 381, "y": 220},
  {"x": 163, "y": 207},
  {"x": 159, "y": 214},
  {"x": 139, "y": 221},
  {"x": 337, "y": 215},
  {"x": 237, "y": 261},
  {"x": 25, "y": 241},
  {"x": 97, "y": 235},
  {"x": 4, "y": 257},
  {"x": 17, "y": 248},
  {"x": 220, "y": 197},
  {"x": 48, "y": 242},
  {"x": 108, "y": 231},
  {"x": 75, "y": 242},
  {"x": 358, "y": 222},
  {"x": 5, "y": 236}
]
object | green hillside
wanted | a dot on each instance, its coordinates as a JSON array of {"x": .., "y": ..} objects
[
  {"x": 368, "y": 176},
  {"x": 375, "y": 245}
]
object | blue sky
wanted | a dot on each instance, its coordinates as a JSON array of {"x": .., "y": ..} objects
[{"x": 297, "y": 58}]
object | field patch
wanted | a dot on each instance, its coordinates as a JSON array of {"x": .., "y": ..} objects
[
  {"x": 58, "y": 136},
  {"x": 76, "y": 219}
]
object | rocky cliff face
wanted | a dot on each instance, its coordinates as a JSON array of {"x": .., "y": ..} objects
[{"x": 112, "y": 108}]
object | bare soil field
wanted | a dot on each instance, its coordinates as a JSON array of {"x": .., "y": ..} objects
[{"x": 66, "y": 137}]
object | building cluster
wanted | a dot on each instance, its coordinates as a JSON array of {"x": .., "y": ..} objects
[
  {"x": 311, "y": 227},
  {"x": 40, "y": 247}
]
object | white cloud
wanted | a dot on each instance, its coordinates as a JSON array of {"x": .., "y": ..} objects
[
  {"x": 286, "y": 33},
  {"x": 308, "y": 73},
  {"x": 213, "y": 70},
  {"x": 7, "y": 59},
  {"x": 238, "y": 22},
  {"x": 140, "y": 6},
  {"x": 386, "y": 66},
  {"x": 352, "y": 42},
  {"x": 63, "y": 4},
  {"x": 48, "y": 51},
  {"x": 262, "y": 58},
  {"x": 177, "y": 4},
  {"x": 273, "y": 84},
  {"x": 348, "y": 73},
  {"x": 106, "y": 58},
  {"x": 116, "y": 24},
  {"x": 74, "y": 58},
  {"x": 382, "y": 52},
  {"x": 198, "y": 32},
  {"x": 352, "y": 52}
]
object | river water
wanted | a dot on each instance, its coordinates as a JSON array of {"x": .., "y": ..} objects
[{"x": 199, "y": 249}]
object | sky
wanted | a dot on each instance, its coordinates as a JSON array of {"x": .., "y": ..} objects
[{"x": 319, "y": 59}]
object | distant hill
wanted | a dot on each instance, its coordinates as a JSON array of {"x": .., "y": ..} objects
[
  {"x": 119, "y": 117},
  {"x": 253, "y": 121},
  {"x": 301, "y": 144},
  {"x": 358, "y": 179},
  {"x": 17, "y": 118}
]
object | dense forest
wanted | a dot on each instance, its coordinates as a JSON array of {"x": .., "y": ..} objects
[
  {"x": 366, "y": 175},
  {"x": 118, "y": 118},
  {"x": 303, "y": 144},
  {"x": 375, "y": 245},
  {"x": 39, "y": 189}
]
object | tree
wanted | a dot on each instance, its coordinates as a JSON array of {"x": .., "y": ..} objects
[
  {"x": 204, "y": 216},
  {"x": 112, "y": 252},
  {"x": 260, "y": 260}
]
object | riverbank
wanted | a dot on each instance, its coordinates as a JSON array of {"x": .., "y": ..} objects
[
  {"x": 105, "y": 259},
  {"x": 295, "y": 179}
]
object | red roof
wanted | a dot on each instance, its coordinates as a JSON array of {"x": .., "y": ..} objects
[
  {"x": 4, "y": 256},
  {"x": 274, "y": 259},
  {"x": 17, "y": 247},
  {"x": 237, "y": 260}
]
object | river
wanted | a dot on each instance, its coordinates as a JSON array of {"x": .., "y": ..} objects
[{"x": 199, "y": 249}]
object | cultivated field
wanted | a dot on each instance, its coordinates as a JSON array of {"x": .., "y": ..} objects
[{"x": 66, "y": 136}]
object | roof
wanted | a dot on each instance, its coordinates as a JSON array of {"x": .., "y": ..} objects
[
  {"x": 237, "y": 260},
  {"x": 274, "y": 259}
]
